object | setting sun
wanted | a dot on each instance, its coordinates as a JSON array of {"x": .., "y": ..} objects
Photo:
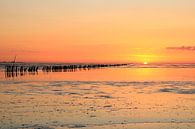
[{"x": 145, "y": 63}]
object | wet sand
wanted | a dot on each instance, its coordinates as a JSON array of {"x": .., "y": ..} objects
[{"x": 96, "y": 104}]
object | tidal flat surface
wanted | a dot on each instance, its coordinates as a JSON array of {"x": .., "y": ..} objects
[{"x": 111, "y": 98}]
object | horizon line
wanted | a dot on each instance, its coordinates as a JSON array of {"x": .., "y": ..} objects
[{"x": 98, "y": 62}]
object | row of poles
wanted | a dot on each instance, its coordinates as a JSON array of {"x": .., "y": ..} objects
[
  {"x": 13, "y": 69},
  {"x": 67, "y": 68}
]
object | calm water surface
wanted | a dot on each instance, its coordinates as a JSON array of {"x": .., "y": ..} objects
[{"x": 137, "y": 97}]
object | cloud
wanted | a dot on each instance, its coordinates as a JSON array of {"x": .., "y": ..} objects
[{"x": 182, "y": 48}]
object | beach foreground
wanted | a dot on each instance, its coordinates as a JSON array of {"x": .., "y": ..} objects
[{"x": 108, "y": 104}]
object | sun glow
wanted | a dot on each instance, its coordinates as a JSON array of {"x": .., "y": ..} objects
[
  {"x": 146, "y": 58},
  {"x": 145, "y": 63}
]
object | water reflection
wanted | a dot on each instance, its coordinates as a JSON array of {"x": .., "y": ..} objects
[
  {"x": 125, "y": 73},
  {"x": 16, "y": 74}
]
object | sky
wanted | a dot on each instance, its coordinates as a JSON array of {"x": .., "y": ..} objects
[{"x": 98, "y": 31}]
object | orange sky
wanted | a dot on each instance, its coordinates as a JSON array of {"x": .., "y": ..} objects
[{"x": 97, "y": 30}]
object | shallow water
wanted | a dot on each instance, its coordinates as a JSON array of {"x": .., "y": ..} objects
[{"x": 110, "y": 98}]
